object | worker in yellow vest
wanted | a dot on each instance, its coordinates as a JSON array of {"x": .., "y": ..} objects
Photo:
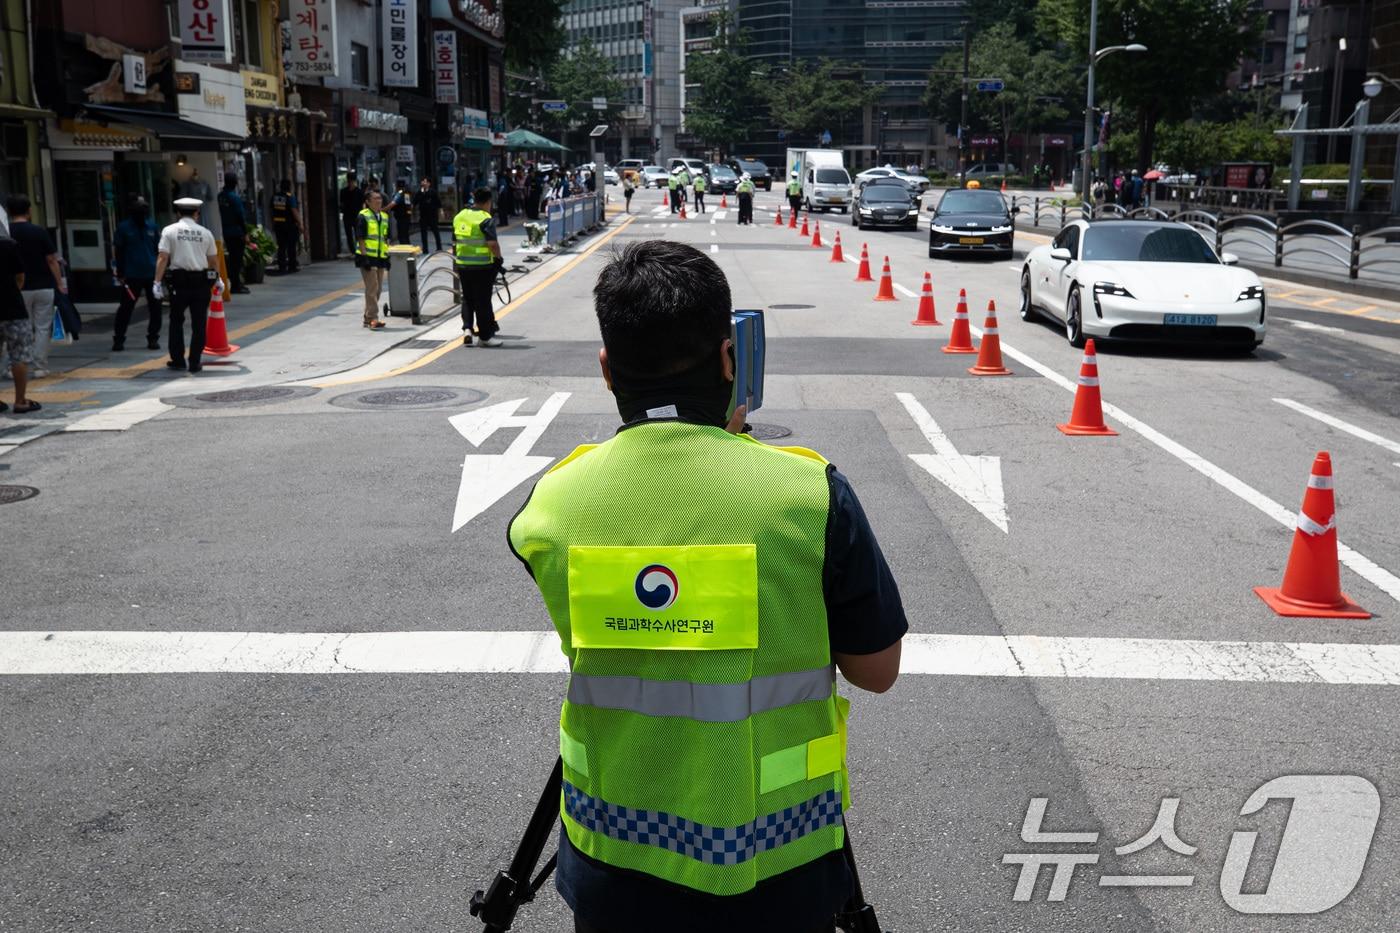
[
  {"x": 703, "y": 741},
  {"x": 476, "y": 252},
  {"x": 372, "y": 254}
]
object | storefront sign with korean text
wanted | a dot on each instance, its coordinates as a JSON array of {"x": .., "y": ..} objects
[
  {"x": 400, "y": 43},
  {"x": 445, "y": 65},
  {"x": 313, "y": 37},
  {"x": 204, "y": 31},
  {"x": 363, "y": 119}
]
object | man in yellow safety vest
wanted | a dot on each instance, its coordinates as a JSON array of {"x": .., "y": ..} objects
[
  {"x": 372, "y": 254},
  {"x": 476, "y": 252}
]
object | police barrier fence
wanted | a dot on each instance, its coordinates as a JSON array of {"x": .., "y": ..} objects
[{"x": 567, "y": 218}]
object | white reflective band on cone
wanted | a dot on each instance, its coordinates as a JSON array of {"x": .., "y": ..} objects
[
  {"x": 1089, "y": 380},
  {"x": 1319, "y": 482},
  {"x": 988, "y": 330},
  {"x": 1090, "y": 360},
  {"x": 1308, "y": 526}
]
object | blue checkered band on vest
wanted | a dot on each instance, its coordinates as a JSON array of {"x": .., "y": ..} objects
[{"x": 715, "y": 845}]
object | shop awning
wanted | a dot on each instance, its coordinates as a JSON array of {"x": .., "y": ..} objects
[
  {"x": 162, "y": 125},
  {"x": 524, "y": 139}
]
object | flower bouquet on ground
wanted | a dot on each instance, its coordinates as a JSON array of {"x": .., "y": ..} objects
[{"x": 535, "y": 234}]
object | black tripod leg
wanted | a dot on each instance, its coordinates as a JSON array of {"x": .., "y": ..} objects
[
  {"x": 858, "y": 917},
  {"x": 513, "y": 888}
]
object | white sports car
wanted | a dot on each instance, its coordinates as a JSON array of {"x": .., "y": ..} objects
[{"x": 1142, "y": 280}]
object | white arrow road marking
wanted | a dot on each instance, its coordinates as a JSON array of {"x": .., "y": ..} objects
[
  {"x": 488, "y": 477},
  {"x": 537, "y": 652},
  {"x": 1340, "y": 425},
  {"x": 977, "y": 479}
]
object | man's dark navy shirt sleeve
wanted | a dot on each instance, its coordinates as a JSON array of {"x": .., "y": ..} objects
[{"x": 863, "y": 609}]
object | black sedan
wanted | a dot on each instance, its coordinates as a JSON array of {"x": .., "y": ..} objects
[
  {"x": 758, "y": 172},
  {"x": 722, "y": 179},
  {"x": 969, "y": 221},
  {"x": 886, "y": 204}
]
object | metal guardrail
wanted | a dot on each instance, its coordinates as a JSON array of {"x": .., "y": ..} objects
[
  {"x": 1349, "y": 250},
  {"x": 568, "y": 218}
]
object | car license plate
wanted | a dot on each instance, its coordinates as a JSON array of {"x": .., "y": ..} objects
[
  {"x": 1192, "y": 320},
  {"x": 971, "y": 240},
  {"x": 833, "y": 200}
]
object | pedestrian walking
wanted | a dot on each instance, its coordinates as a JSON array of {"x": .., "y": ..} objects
[
  {"x": 372, "y": 254},
  {"x": 187, "y": 266},
  {"x": 401, "y": 208},
  {"x": 476, "y": 253},
  {"x": 673, "y": 185},
  {"x": 429, "y": 207},
  {"x": 628, "y": 189},
  {"x": 286, "y": 224},
  {"x": 745, "y": 193},
  {"x": 505, "y": 198},
  {"x": 42, "y": 277},
  {"x": 135, "y": 248},
  {"x": 794, "y": 193},
  {"x": 701, "y": 728},
  {"x": 16, "y": 331},
  {"x": 352, "y": 201},
  {"x": 698, "y": 186},
  {"x": 1135, "y": 198},
  {"x": 235, "y": 230}
]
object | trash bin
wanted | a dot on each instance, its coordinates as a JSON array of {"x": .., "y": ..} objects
[{"x": 403, "y": 283}]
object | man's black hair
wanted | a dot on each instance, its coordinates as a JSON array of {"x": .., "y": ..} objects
[
  {"x": 230, "y": 180},
  {"x": 482, "y": 195},
  {"x": 662, "y": 306},
  {"x": 17, "y": 205},
  {"x": 285, "y": 185}
]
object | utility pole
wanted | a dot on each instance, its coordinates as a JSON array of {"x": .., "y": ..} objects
[
  {"x": 1085, "y": 182},
  {"x": 962, "y": 117}
]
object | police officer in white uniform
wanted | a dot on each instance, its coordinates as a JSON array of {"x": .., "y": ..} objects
[{"x": 187, "y": 268}]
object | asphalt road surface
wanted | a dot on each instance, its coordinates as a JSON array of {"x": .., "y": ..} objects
[{"x": 206, "y": 722}]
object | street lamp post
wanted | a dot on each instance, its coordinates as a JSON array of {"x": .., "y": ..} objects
[{"x": 1095, "y": 54}]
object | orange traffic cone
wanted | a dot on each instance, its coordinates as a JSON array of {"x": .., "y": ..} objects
[
  {"x": 723, "y": 201},
  {"x": 927, "y": 317},
  {"x": 682, "y": 210},
  {"x": 805, "y": 218},
  {"x": 836, "y": 254},
  {"x": 989, "y": 354},
  {"x": 886, "y": 290},
  {"x": 817, "y": 234},
  {"x": 960, "y": 337},
  {"x": 1087, "y": 415},
  {"x": 792, "y": 220},
  {"x": 863, "y": 273},
  {"x": 665, "y": 198},
  {"x": 1312, "y": 586},
  {"x": 216, "y": 333},
  {"x": 778, "y": 216},
  {"x": 1003, "y": 186}
]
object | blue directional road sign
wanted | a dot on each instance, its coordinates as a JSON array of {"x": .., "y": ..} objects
[
  {"x": 554, "y": 106},
  {"x": 991, "y": 84}
]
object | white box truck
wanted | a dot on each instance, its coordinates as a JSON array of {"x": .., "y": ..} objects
[{"x": 826, "y": 185}]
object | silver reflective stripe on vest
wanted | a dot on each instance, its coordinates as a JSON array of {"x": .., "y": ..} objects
[{"x": 702, "y": 702}]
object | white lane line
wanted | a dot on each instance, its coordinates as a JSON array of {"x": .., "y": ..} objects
[
  {"x": 721, "y": 215},
  {"x": 904, "y": 291},
  {"x": 1309, "y": 325},
  {"x": 122, "y": 416},
  {"x": 1340, "y": 425},
  {"x": 460, "y": 652},
  {"x": 714, "y": 247},
  {"x": 1362, "y": 565}
]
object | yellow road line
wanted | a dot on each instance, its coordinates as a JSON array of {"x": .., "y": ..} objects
[
  {"x": 145, "y": 366},
  {"x": 1361, "y": 310},
  {"x": 449, "y": 346},
  {"x": 1287, "y": 294},
  {"x": 58, "y": 397},
  {"x": 1323, "y": 303}
]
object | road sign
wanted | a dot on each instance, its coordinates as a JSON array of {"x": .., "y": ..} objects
[
  {"x": 553, "y": 106},
  {"x": 600, "y": 103},
  {"x": 991, "y": 84}
]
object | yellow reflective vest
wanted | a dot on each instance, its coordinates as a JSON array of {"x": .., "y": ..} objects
[
  {"x": 376, "y": 242},
  {"x": 469, "y": 244}
]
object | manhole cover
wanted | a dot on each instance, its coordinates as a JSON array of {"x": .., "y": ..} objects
[
  {"x": 768, "y": 432},
  {"x": 254, "y": 395},
  {"x": 10, "y": 494},
  {"x": 409, "y": 397},
  {"x": 790, "y": 307}
]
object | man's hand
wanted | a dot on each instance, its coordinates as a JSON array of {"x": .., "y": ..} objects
[
  {"x": 736, "y": 421},
  {"x": 158, "y": 290}
]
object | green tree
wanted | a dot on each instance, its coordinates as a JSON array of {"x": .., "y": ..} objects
[
  {"x": 811, "y": 97},
  {"x": 577, "y": 78},
  {"x": 723, "y": 88},
  {"x": 1039, "y": 86},
  {"x": 534, "y": 34},
  {"x": 1191, "y": 46}
]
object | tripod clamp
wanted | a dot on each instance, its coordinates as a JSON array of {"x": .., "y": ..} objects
[{"x": 512, "y": 889}]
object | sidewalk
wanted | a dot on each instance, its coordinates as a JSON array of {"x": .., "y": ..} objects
[{"x": 291, "y": 328}]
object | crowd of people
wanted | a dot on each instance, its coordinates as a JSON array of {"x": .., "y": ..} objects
[{"x": 1126, "y": 189}]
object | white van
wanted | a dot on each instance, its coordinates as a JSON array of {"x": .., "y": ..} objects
[
  {"x": 826, "y": 185},
  {"x": 693, "y": 167}
]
